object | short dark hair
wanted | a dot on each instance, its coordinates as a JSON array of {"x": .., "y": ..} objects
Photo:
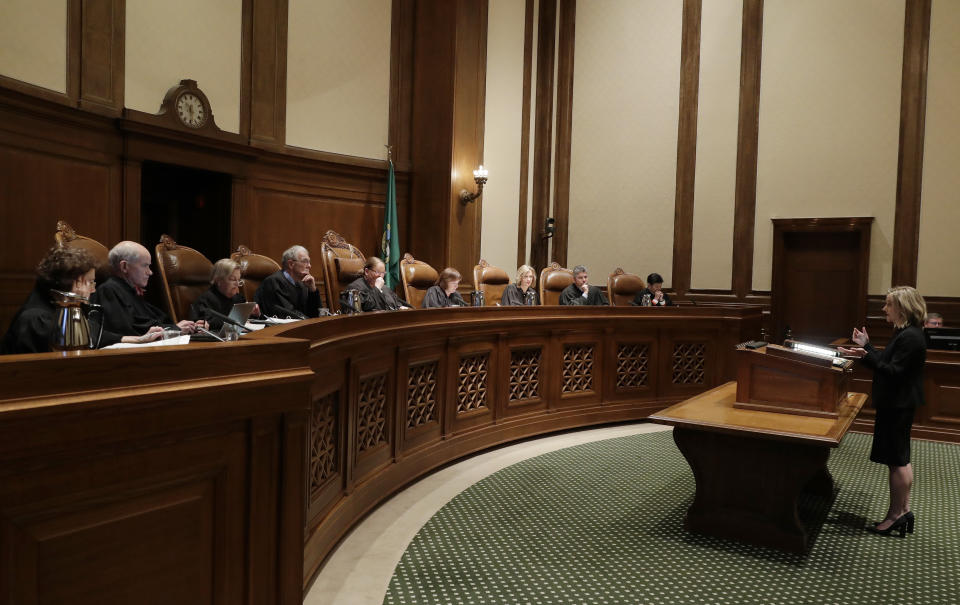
[
  {"x": 654, "y": 278},
  {"x": 62, "y": 266},
  {"x": 373, "y": 261},
  {"x": 448, "y": 275}
]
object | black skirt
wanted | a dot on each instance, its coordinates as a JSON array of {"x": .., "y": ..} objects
[{"x": 891, "y": 436}]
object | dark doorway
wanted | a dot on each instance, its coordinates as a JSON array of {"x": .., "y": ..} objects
[
  {"x": 191, "y": 206},
  {"x": 820, "y": 269}
]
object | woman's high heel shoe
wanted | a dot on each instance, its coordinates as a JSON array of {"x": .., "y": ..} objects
[
  {"x": 910, "y": 521},
  {"x": 903, "y": 524}
]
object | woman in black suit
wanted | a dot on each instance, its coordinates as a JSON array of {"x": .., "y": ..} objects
[{"x": 896, "y": 393}]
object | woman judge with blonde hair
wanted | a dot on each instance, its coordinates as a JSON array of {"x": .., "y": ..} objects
[
  {"x": 523, "y": 290},
  {"x": 896, "y": 393}
]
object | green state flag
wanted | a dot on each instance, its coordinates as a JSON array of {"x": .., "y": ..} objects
[{"x": 390, "y": 242}]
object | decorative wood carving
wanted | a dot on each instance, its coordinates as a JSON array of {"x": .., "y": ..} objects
[
  {"x": 324, "y": 459},
  {"x": 525, "y": 374},
  {"x": 577, "y": 368},
  {"x": 689, "y": 362},
  {"x": 472, "y": 383},
  {"x": 372, "y": 412},
  {"x": 422, "y": 393},
  {"x": 632, "y": 365}
]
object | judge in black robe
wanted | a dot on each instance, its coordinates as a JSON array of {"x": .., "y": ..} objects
[
  {"x": 444, "y": 293},
  {"x": 224, "y": 292},
  {"x": 125, "y": 310},
  {"x": 514, "y": 296},
  {"x": 292, "y": 291},
  {"x": 437, "y": 297},
  {"x": 658, "y": 298},
  {"x": 580, "y": 293},
  {"x": 370, "y": 288},
  {"x": 517, "y": 293}
]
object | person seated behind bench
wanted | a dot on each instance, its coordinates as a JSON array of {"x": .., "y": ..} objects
[
  {"x": 517, "y": 293},
  {"x": 125, "y": 310},
  {"x": 291, "y": 291},
  {"x": 34, "y": 326},
  {"x": 654, "y": 289},
  {"x": 369, "y": 286},
  {"x": 224, "y": 292},
  {"x": 580, "y": 292},
  {"x": 444, "y": 292}
]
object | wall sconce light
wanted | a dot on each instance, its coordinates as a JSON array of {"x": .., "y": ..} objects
[{"x": 480, "y": 178}]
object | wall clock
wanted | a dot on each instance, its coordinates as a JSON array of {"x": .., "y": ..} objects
[{"x": 187, "y": 106}]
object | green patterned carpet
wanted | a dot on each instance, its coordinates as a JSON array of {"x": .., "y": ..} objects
[{"x": 602, "y": 523}]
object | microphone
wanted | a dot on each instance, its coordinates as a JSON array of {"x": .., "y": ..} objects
[{"x": 226, "y": 319}]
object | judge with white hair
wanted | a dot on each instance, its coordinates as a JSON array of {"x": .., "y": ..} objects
[
  {"x": 291, "y": 291},
  {"x": 125, "y": 310}
]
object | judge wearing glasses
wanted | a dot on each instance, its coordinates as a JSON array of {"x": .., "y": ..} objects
[
  {"x": 373, "y": 295},
  {"x": 291, "y": 291},
  {"x": 224, "y": 292}
]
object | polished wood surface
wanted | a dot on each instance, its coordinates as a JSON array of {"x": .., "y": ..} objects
[
  {"x": 399, "y": 394},
  {"x": 751, "y": 467},
  {"x": 160, "y": 475},
  {"x": 778, "y": 379}
]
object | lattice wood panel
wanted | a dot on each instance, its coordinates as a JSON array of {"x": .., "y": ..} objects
[
  {"x": 323, "y": 441},
  {"x": 689, "y": 360},
  {"x": 472, "y": 382},
  {"x": 525, "y": 374},
  {"x": 577, "y": 368},
  {"x": 632, "y": 365},
  {"x": 422, "y": 394},
  {"x": 372, "y": 412}
]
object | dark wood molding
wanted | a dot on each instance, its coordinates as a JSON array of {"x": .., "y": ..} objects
[
  {"x": 561, "y": 163},
  {"x": 268, "y": 73},
  {"x": 102, "y": 56},
  {"x": 543, "y": 132},
  {"x": 525, "y": 134},
  {"x": 745, "y": 205},
  {"x": 74, "y": 49},
  {"x": 32, "y": 90},
  {"x": 401, "y": 79},
  {"x": 686, "y": 146},
  {"x": 913, "y": 108},
  {"x": 246, "y": 69}
]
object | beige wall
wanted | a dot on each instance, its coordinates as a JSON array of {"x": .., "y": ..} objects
[
  {"x": 829, "y": 120},
  {"x": 623, "y": 157},
  {"x": 175, "y": 39},
  {"x": 937, "y": 272},
  {"x": 338, "y": 76},
  {"x": 716, "y": 172},
  {"x": 33, "y": 42},
  {"x": 501, "y": 145}
]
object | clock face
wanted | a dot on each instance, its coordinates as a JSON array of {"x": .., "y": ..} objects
[{"x": 190, "y": 110}]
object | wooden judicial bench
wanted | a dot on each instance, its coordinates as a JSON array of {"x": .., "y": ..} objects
[{"x": 227, "y": 473}]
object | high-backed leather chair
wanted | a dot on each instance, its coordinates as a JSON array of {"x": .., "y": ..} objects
[
  {"x": 417, "y": 277},
  {"x": 622, "y": 287},
  {"x": 342, "y": 263},
  {"x": 254, "y": 268},
  {"x": 553, "y": 280},
  {"x": 66, "y": 237},
  {"x": 184, "y": 274},
  {"x": 491, "y": 281}
]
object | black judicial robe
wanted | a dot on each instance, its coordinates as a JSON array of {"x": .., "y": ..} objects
[
  {"x": 638, "y": 299},
  {"x": 213, "y": 299},
  {"x": 126, "y": 313},
  {"x": 514, "y": 296},
  {"x": 33, "y": 327},
  {"x": 572, "y": 295},
  {"x": 371, "y": 299},
  {"x": 436, "y": 297},
  {"x": 277, "y": 297}
]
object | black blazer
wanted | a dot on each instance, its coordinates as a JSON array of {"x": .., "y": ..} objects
[{"x": 898, "y": 369}]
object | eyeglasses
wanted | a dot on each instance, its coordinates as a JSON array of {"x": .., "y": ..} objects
[{"x": 239, "y": 282}]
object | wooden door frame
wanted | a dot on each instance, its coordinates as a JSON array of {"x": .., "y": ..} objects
[{"x": 784, "y": 226}]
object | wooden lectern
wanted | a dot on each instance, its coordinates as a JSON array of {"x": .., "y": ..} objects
[{"x": 786, "y": 380}]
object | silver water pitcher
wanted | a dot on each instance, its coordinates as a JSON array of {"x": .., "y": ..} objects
[
  {"x": 72, "y": 331},
  {"x": 353, "y": 300},
  {"x": 477, "y": 299},
  {"x": 530, "y": 297}
]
